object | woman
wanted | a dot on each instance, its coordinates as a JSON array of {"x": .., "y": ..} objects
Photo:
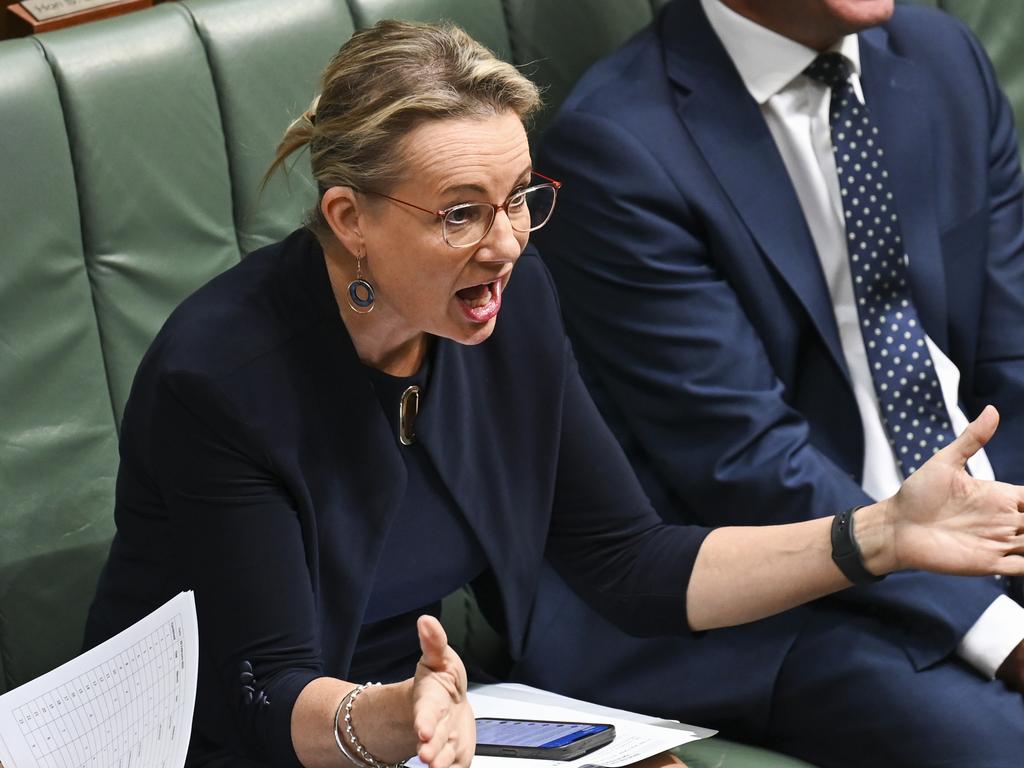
[{"x": 319, "y": 444}]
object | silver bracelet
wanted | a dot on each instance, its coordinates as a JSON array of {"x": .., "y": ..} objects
[
  {"x": 358, "y": 754},
  {"x": 352, "y": 758}
]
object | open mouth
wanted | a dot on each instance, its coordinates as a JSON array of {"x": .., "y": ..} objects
[{"x": 479, "y": 303}]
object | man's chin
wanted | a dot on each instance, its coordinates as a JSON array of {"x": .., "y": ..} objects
[{"x": 858, "y": 15}]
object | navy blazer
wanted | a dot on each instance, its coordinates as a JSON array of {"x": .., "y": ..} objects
[
  {"x": 258, "y": 468},
  {"x": 696, "y": 302}
]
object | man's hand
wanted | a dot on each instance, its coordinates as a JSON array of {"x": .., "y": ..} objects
[
  {"x": 944, "y": 520},
  {"x": 442, "y": 716},
  {"x": 1011, "y": 671}
]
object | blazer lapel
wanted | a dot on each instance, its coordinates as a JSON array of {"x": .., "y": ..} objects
[
  {"x": 468, "y": 427},
  {"x": 726, "y": 124},
  {"x": 368, "y": 480},
  {"x": 893, "y": 90}
]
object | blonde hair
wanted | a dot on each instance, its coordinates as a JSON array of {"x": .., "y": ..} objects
[{"x": 385, "y": 81}]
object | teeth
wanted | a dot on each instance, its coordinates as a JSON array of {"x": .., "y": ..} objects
[{"x": 482, "y": 301}]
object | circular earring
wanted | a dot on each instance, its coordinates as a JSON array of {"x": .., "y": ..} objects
[{"x": 360, "y": 292}]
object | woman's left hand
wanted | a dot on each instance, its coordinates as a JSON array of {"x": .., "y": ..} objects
[
  {"x": 943, "y": 519},
  {"x": 442, "y": 716}
]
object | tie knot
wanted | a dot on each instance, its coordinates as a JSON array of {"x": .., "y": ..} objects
[{"x": 832, "y": 69}]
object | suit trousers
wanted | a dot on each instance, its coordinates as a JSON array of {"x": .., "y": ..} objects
[
  {"x": 842, "y": 692},
  {"x": 848, "y": 697}
]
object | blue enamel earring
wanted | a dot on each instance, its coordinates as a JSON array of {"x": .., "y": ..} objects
[{"x": 360, "y": 292}]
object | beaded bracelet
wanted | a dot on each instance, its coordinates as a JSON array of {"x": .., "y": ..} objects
[
  {"x": 358, "y": 754},
  {"x": 352, "y": 758}
]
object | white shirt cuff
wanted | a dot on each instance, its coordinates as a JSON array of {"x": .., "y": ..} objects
[{"x": 994, "y": 635}]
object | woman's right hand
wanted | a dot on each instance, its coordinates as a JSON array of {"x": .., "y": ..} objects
[{"x": 442, "y": 717}]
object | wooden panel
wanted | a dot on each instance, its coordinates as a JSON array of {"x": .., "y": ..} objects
[
  {"x": 6, "y": 20},
  {"x": 25, "y": 23}
]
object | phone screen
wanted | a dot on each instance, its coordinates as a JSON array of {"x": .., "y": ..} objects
[{"x": 532, "y": 733}]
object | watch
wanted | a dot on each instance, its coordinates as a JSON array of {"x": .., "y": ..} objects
[{"x": 845, "y": 552}]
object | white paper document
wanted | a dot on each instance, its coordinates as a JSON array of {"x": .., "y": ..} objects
[
  {"x": 127, "y": 703},
  {"x": 636, "y": 736}
]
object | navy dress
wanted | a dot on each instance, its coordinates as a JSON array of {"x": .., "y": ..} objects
[
  {"x": 260, "y": 469},
  {"x": 388, "y": 645}
]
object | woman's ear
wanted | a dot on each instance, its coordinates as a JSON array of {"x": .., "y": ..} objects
[{"x": 344, "y": 211}]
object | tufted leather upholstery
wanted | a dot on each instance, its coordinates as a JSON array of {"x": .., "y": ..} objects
[
  {"x": 58, "y": 444},
  {"x": 131, "y": 152}
]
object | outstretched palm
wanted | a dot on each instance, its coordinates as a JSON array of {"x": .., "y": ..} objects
[
  {"x": 442, "y": 716},
  {"x": 945, "y": 520}
]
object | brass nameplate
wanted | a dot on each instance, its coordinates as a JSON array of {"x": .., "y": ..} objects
[{"x": 43, "y": 10}]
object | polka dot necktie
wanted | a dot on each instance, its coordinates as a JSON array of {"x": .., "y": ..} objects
[{"x": 907, "y": 385}]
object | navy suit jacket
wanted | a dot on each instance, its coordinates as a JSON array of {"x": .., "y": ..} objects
[
  {"x": 259, "y": 469},
  {"x": 696, "y": 302}
]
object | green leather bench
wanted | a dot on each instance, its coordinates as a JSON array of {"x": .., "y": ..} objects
[{"x": 131, "y": 152}]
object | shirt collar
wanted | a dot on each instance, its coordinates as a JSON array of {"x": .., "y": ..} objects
[{"x": 767, "y": 61}]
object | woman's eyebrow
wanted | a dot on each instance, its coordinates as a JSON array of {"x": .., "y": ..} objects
[
  {"x": 464, "y": 188},
  {"x": 470, "y": 187}
]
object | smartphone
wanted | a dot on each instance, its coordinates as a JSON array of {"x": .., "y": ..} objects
[{"x": 544, "y": 739}]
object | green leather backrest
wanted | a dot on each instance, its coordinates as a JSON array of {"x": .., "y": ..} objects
[
  {"x": 131, "y": 152},
  {"x": 58, "y": 447},
  {"x": 483, "y": 19},
  {"x": 556, "y": 42},
  {"x": 265, "y": 66},
  {"x": 130, "y": 157},
  {"x": 152, "y": 172}
]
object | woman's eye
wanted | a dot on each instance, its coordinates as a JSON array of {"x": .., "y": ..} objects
[
  {"x": 461, "y": 217},
  {"x": 517, "y": 199}
]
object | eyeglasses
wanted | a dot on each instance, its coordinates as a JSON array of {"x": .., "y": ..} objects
[{"x": 466, "y": 224}]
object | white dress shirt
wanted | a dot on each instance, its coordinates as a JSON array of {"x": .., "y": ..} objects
[{"x": 795, "y": 107}]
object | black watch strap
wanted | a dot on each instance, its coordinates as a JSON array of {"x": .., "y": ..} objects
[{"x": 845, "y": 552}]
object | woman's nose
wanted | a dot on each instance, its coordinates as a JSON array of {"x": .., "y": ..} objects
[{"x": 502, "y": 243}]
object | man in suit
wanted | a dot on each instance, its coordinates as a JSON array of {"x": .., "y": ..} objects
[{"x": 790, "y": 278}]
